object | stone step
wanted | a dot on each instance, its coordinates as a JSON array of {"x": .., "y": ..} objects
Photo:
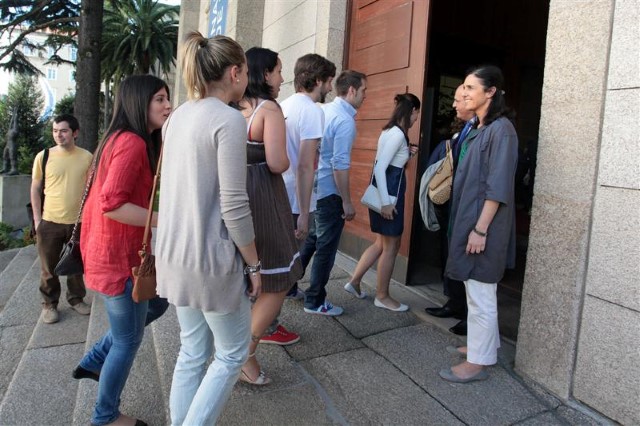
[
  {"x": 14, "y": 264},
  {"x": 166, "y": 335},
  {"x": 17, "y": 321},
  {"x": 40, "y": 370},
  {"x": 7, "y": 256},
  {"x": 141, "y": 397}
]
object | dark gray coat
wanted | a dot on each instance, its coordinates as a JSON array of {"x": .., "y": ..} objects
[{"x": 487, "y": 172}]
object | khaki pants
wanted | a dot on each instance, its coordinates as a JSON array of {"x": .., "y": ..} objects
[{"x": 51, "y": 238}]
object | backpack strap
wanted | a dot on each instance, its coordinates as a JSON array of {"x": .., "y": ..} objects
[{"x": 45, "y": 158}]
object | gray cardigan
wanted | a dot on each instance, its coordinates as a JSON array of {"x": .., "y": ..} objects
[{"x": 204, "y": 210}]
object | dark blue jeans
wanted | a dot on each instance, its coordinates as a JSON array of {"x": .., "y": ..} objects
[
  {"x": 307, "y": 249},
  {"x": 329, "y": 225}
]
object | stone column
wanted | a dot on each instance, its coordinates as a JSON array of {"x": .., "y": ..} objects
[
  {"x": 573, "y": 95},
  {"x": 189, "y": 21},
  {"x": 244, "y": 22}
]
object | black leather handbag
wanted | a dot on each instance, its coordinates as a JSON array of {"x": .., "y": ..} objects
[{"x": 70, "y": 262}]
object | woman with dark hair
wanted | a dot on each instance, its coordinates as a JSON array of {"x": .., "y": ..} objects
[
  {"x": 392, "y": 156},
  {"x": 206, "y": 258},
  {"x": 113, "y": 223},
  {"x": 275, "y": 237},
  {"x": 482, "y": 234}
]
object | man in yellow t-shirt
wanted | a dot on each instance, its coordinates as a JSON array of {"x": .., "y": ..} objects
[{"x": 64, "y": 178}]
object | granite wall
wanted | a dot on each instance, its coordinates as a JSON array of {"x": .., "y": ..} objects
[
  {"x": 607, "y": 372},
  {"x": 581, "y": 304}
]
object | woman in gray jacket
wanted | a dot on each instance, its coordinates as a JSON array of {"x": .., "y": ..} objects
[
  {"x": 482, "y": 225},
  {"x": 205, "y": 249}
]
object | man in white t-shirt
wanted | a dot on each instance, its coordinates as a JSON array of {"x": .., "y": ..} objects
[{"x": 304, "y": 120}]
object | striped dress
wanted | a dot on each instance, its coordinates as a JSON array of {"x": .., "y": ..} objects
[{"x": 275, "y": 239}]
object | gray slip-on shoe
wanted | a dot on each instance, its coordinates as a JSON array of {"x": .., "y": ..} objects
[
  {"x": 448, "y": 375},
  {"x": 454, "y": 351}
]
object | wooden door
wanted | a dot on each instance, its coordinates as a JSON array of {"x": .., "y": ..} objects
[{"x": 387, "y": 42}]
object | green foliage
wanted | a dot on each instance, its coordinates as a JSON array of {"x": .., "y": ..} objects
[
  {"x": 6, "y": 240},
  {"x": 26, "y": 97},
  {"x": 20, "y": 18},
  {"x": 65, "y": 105},
  {"x": 25, "y": 159},
  {"x": 137, "y": 35}
]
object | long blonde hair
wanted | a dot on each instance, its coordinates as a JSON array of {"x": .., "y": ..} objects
[{"x": 206, "y": 59}]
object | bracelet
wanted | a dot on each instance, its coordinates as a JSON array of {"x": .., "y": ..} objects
[
  {"x": 253, "y": 269},
  {"x": 482, "y": 234}
]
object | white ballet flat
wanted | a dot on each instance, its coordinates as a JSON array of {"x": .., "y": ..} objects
[
  {"x": 401, "y": 308},
  {"x": 349, "y": 288}
]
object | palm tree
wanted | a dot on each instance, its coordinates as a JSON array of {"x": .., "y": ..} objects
[{"x": 139, "y": 36}]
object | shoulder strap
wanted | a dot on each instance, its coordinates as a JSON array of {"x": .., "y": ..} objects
[
  {"x": 43, "y": 166},
  {"x": 253, "y": 114},
  {"x": 84, "y": 198},
  {"x": 156, "y": 179}
]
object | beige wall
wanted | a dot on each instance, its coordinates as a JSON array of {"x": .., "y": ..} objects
[
  {"x": 607, "y": 374},
  {"x": 580, "y": 320},
  {"x": 296, "y": 27}
]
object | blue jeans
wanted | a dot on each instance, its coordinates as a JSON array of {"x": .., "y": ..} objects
[
  {"x": 329, "y": 225},
  {"x": 127, "y": 319},
  {"x": 95, "y": 358},
  {"x": 198, "y": 398}
]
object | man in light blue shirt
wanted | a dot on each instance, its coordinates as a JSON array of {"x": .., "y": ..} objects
[{"x": 334, "y": 205}]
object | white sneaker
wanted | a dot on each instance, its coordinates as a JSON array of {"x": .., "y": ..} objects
[{"x": 327, "y": 309}]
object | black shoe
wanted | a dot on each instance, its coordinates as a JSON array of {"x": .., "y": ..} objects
[
  {"x": 81, "y": 373},
  {"x": 443, "y": 312},
  {"x": 460, "y": 328}
]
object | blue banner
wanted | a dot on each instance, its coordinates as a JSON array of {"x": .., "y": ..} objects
[{"x": 217, "y": 17}]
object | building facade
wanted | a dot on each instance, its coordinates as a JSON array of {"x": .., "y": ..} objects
[
  {"x": 56, "y": 81},
  {"x": 573, "y": 74}
]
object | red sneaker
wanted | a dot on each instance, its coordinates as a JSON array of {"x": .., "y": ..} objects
[{"x": 281, "y": 337}]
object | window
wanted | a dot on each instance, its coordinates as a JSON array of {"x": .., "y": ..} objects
[
  {"x": 52, "y": 74},
  {"x": 73, "y": 53},
  {"x": 27, "y": 51},
  {"x": 50, "y": 51},
  {"x": 72, "y": 76}
]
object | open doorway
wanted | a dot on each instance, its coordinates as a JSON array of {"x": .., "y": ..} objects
[{"x": 509, "y": 34}]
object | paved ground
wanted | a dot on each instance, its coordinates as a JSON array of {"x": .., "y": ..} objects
[{"x": 368, "y": 366}]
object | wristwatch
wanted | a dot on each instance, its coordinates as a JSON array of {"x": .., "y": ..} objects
[{"x": 253, "y": 269}]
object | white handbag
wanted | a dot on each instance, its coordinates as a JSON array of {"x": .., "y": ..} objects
[{"x": 371, "y": 197}]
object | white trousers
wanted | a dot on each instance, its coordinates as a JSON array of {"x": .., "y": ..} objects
[{"x": 483, "y": 338}]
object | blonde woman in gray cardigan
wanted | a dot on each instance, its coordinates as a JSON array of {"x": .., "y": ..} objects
[{"x": 205, "y": 247}]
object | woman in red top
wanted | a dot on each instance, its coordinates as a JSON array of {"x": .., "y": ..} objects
[{"x": 113, "y": 223}]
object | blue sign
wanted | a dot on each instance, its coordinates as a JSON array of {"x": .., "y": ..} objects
[{"x": 217, "y": 17}]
